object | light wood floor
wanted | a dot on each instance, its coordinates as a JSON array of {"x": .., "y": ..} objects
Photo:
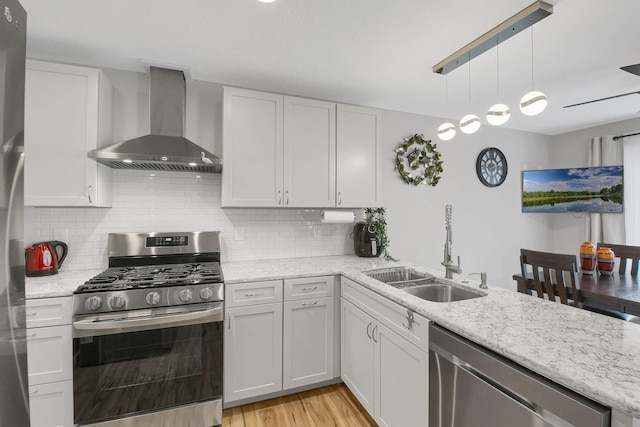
[{"x": 331, "y": 406}]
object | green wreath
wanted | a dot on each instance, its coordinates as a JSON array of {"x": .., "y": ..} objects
[{"x": 424, "y": 159}]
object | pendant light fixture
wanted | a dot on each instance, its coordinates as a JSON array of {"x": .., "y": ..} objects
[
  {"x": 470, "y": 123},
  {"x": 446, "y": 131},
  {"x": 534, "y": 102},
  {"x": 498, "y": 114}
]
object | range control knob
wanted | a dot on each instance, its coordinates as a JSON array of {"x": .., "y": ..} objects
[
  {"x": 153, "y": 298},
  {"x": 93, "y": 303},
  {"x": 186, "y": 295},
  {"x": 206, "y": 293},
  {"x": 117, "y": 302}
]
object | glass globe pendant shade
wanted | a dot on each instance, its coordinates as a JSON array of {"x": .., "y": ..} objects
[
  {"x": 469, "y": 124},
  {"x": 446, "y": 131},
  {"x": 533, "y": 103},
  {"x": 498, "y": 114}
]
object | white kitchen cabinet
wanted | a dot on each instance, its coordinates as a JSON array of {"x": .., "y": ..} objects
[
  {"x": 50, "y": 361},
  {"x": 358, "y": 157},
  {"x": 401, "y": 381},
  {"x": 283, "y": 151},
  {"x": 68, "y": 112},
  {"x": 252, "y": 149},
  {"x": 46, "y": 403},
  {"x": 309, "y": 153},
  {"x": 384, "y": 357},
  {"x": 279, "y": 335},
  {"x": 357, "y": 354},
  {"x": 308, "y": 325},
  {"x": 252, "y": 351}
]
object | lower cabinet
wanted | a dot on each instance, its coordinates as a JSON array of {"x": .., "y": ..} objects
[
  {"x": 279, "y": 335},
  {"x": 308, "y": 342},
  {"x": 49, "y": 359},
  {"x": 47, "y": 403},
  {"x": 384, "y": 358},
  {"x": 252, "y": 351}
]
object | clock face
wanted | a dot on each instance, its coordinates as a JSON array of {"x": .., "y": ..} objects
[{"x": 491, "y": 167}]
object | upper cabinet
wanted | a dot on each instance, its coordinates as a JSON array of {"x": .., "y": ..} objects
[
  {"x": 358, "y": 160},
  {"x": 282, "y": 151},
  {"x": 68, "y": 111}
]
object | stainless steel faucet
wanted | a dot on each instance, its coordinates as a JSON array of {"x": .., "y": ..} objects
[{"x": 449, "y": 266}]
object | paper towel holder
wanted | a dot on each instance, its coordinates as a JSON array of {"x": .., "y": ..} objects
[{"x": 337, "y": 216}]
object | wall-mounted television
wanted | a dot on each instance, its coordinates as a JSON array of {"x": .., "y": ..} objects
[{"x": 593, "y": 189}]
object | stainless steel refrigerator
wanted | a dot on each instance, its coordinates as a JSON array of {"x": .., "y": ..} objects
[{"x": 14, "y": 402}]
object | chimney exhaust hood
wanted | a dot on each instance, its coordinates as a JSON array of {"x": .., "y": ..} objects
[{"x": 165, "y": 148}]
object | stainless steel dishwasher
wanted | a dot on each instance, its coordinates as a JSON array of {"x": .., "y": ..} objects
[{"x": 471, "y": 386}]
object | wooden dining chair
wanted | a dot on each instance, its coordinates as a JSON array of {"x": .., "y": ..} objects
[
  {"x": 626, "y": 254},
  {"x": 552, "y": 274}
]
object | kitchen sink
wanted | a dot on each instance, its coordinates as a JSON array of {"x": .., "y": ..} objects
[
  {"x": 400, "y": 277},
  {"x": 439, "y": 292}
]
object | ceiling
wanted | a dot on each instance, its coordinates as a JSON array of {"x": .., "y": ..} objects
[{"x": 377, "y": 53}]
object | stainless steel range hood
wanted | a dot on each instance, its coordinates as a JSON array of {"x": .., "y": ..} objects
[{"x": 165, "y": 148}]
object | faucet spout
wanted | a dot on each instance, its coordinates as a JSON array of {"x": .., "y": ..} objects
[{"x": 448, "y": 264}]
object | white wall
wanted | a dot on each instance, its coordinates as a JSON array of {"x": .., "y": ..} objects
[
  {"x": 570, "y": 150},
  {"x": 488, "y": 226}
]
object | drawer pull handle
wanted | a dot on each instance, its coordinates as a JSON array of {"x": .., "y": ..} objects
[
  {"x": 257, "y": 294},
  {"x": 31, "y": 314},
  {"x": 309, "y": 303},
  {"x": 368, "y": 327},
  {"x": 310, "y": 289},
  {"x": 33, "y": 392},
  {"x": 373, "y": 334}
]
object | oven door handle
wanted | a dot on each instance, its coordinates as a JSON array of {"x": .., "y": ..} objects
[{"x": 162, "y": 320}]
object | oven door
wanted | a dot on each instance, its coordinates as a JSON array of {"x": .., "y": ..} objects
[{"x": 142, "y": 361}]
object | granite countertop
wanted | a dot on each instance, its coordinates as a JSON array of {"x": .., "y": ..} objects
[{"x": 595, "y": 355}]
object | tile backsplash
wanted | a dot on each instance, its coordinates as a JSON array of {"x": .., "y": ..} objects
[{"x": 146, "y": 201}]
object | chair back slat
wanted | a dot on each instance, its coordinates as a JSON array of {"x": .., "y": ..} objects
[
  {"x": 626, "y": 254},
  {"x": 559, "y": 271}
]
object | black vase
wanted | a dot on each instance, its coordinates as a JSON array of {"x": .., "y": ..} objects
[{"x": 365, "y": 242}]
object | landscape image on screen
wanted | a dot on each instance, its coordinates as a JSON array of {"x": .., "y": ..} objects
[{"x": 593, "y": 189}]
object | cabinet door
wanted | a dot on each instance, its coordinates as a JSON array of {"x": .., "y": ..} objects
[
  {"x": 401, "y": 382},
  {"x": 358, "y": 157},
  {"x": 309, "y": 153},
  {"x": 252, "y": 149},
  {"x": 307, "y": 342},
  {"x": 49, "y": 354},
  {"x": 357, "y": 354},
  {"x": 51, "y": 405},
  {"x": 252, "y": 351},
  {"x": 62, "y": 123}
]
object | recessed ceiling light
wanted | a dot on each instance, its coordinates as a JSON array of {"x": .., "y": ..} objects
[{"x": 266, "y": 1}]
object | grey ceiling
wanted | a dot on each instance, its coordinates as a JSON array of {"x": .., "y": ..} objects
[{"x": 377, "y": 53}]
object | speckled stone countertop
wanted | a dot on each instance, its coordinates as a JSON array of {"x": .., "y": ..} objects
[
  {"x": 595, "y": 355},
  {"x": 57, "y": 285}
]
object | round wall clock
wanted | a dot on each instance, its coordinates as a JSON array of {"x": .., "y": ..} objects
[{"x": 491, "y": 167}]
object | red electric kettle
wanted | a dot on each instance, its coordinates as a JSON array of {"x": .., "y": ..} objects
[{"x": 43, "y": 259}]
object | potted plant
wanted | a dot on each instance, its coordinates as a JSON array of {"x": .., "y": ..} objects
[{"x": 370, "y": 235}]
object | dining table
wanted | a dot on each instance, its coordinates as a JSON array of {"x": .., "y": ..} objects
[{"x": 619, "y": 292}]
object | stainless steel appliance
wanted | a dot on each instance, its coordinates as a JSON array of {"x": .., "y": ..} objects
[
  {"x": 470, "y": 386},
  {"x": 165, "y": 147},
  {"x": 147, "y": 334},
  {"x": 14, "y": 403}
]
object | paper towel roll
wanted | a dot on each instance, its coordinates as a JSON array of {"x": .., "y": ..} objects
[{"x": 337, "y": 217}]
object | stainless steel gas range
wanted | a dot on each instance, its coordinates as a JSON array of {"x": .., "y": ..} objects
[{"x": 147, "y": 334}]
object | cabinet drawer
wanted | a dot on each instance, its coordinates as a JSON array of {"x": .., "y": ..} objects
[
  {"x": 48, "y": 312},
  {"x": 49, "y": 354},
  {"x": 403, "y": 321},
  {"x": 243, "y": 294},
  {"x": 309, "y": 287},
  {"x": 51, "y": 405}
]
